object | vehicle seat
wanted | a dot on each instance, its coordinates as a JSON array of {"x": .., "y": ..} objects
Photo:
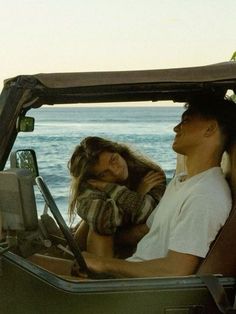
[
  {"x": 17, "y": 200},
  {"x": 19, "y": 223},
  {"x": 221, "y": 258},
  {"x": 18, "y": 212}
]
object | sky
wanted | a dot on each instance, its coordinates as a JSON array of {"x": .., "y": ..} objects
[{"x": 44, "y": 36}]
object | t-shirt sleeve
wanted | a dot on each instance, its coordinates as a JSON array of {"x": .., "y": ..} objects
[{"x": 196, "y": 225}]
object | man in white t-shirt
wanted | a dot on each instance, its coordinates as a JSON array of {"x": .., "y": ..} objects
[
  {"x": 190, "y": 215},
  {"x": 195, "y": 205}
]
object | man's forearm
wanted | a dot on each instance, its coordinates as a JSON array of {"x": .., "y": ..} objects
[
  {"x": 151, "y": 268},
  {"x": 123, "y": 268},
  {"x": 174, "y": 264}
]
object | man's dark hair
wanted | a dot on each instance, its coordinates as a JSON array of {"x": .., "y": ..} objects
[{"x": 223, "y": 110}]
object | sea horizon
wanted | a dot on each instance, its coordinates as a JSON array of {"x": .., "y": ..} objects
[{"x": 147, "y": 129}]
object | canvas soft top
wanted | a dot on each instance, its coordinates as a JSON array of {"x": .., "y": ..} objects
[{"x": 208, "y": 73}]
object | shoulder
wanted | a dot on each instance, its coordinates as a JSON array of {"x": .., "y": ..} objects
[
  {"x": 208, "y": 204},
  {"x": 213, "y": 184},
  {"x": 208, "y": 191}
]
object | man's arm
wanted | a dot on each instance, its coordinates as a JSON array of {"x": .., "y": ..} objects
[{"x": 174, "y": 264}]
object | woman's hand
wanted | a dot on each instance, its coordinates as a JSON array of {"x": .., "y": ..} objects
[
  {"x": 98, "y": 184},
  {"x": 148, "y": 182}
]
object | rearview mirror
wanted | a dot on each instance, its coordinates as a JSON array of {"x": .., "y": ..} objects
[
  {"x": 25, "y": 159},
  {"x": 25, "y": 124}
]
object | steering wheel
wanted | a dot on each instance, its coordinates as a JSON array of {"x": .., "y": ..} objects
[{"x": 66, "y": 231}]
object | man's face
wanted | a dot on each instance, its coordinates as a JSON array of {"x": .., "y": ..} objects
[{"x": 190, "y": 133}]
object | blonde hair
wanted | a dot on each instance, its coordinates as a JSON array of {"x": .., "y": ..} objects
[{"x": 86, "y": 154}]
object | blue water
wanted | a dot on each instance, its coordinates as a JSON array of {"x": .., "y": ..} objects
[{"x": 58, "y": 130}]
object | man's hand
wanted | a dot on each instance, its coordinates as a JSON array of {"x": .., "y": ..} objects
[
  {"x": 94, "y": 262},
  {"x": 148, "y": 182},
  {"x": 174, "y": 264}
]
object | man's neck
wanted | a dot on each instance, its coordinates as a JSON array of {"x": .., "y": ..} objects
[{"x": 197, "y": 165}]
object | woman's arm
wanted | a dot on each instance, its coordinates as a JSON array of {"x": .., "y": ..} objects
[
  {"x": 99, "y": 211},
  {"x": 135, "y": 206}
]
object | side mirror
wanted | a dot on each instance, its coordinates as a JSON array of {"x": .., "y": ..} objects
[{"x": 25, "y": 159}]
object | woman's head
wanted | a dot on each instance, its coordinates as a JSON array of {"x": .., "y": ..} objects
[
  {"x": 102, "y": 159},
  {"x": 96, "y": 158},
  {"x": 110, "y": 167},
  {"x": 99, "y": 158}
]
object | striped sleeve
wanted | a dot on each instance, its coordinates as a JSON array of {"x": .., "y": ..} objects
[
  {"x": 101, "y": 213},
  {"x": 136, "y": 208},
  {"x": 157, "y": 192}
]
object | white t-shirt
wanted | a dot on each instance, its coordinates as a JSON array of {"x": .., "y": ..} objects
[{"x": 188, "y": 216}]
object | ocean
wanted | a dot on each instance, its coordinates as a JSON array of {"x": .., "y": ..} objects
[{"x": 59, "y": 129}]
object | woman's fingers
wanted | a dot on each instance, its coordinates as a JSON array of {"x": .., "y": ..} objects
[
  {"x": 151, "y": 180},
  {"x": 93, "y": 182},
  {"x": 98, "y": 184},
  {"x": 153, "y": 177}
]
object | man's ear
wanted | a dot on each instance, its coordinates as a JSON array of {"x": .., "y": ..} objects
[{"x": 212, "y": 128}]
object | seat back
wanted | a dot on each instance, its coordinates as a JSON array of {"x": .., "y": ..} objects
[
  {"x": 17, "y": 200},
  {"x": 221, "y": 258}
]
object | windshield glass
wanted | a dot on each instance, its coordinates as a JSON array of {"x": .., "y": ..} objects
[{"x": 58, "y": 130}]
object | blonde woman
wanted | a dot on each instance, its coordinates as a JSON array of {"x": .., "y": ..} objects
[{"x": 112, "y": 189}]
